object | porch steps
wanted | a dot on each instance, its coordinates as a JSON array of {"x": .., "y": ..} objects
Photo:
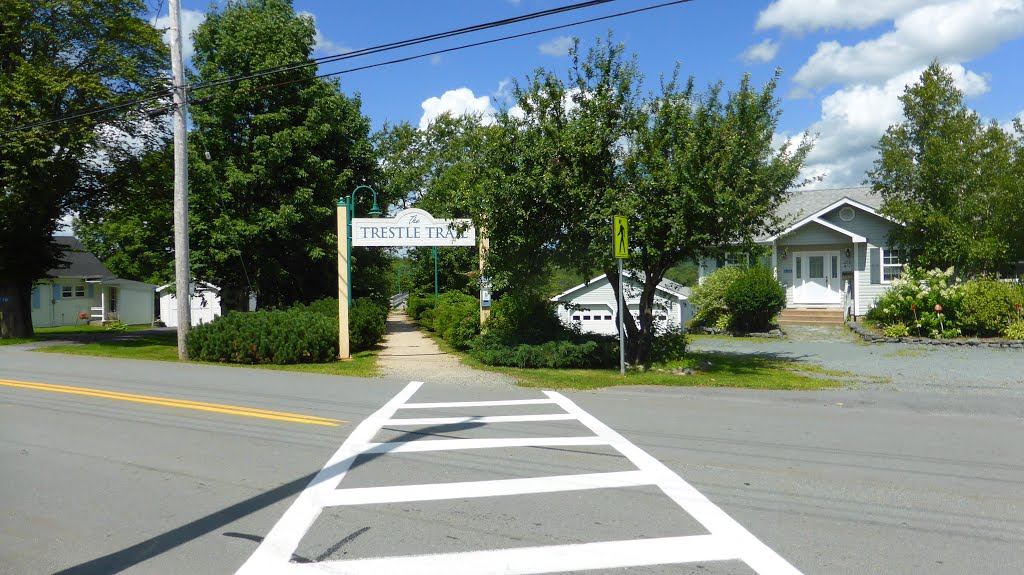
[{"x": 811, "y": 316}]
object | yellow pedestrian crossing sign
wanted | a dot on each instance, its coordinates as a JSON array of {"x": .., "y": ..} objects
[{"x": 620, "y": 229}]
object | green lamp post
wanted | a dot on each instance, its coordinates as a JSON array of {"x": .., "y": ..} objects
[{"x": 350, "y": 203}]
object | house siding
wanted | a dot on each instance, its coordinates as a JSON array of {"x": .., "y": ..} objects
[
  {"x": 599, "y": 298},
  {"x": 876, "y": 230}
]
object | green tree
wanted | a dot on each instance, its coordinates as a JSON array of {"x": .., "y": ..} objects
[
  {"x": 282, "y": 149},
  {"x": 58, "y": 59},
  {"x": 694, "y": 173},
  {"x": 950, "y": 180},
  {"x": 132, "y": 230}
]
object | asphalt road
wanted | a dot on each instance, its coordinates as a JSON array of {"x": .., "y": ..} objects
[{"x": 848, "y": 481}]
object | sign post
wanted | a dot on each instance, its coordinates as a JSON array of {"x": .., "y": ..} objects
[{"x": 620, "y": 247}]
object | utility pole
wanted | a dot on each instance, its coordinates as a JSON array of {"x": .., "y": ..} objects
[{"x": 182, "y": 273}]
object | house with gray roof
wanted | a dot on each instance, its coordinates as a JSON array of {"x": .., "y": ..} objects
[
  {"x": 832, "y": 255},
  {"x": 87, "y": 292}
]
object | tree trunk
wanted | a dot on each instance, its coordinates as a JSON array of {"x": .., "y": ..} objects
[
  {"x": 234, "y": 298},
  {"x": 15, "y": 309},
  {"x": 632, "y": 332}
]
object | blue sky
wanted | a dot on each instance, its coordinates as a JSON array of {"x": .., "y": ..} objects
[{"x": 844, "y": 63}]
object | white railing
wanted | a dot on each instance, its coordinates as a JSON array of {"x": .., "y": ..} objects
[{"x": 847, "y": 299}]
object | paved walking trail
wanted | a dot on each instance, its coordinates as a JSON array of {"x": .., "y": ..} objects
[{"x": 412, "y": 356}]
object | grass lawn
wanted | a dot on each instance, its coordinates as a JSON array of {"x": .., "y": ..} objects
[
  {"x": 715, "y": 370},
  {"x": 44, "y": 331},
  {"x": 164, "y": 347}
]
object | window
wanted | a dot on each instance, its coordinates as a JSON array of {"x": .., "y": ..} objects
[
  {"x": 816, "y": 267},
  {"x": 575, "y": 318},
  {"x": 835, "y": 267},
  {"x": 736, "y": 259},
  {"x": 799, "y": 268},
  {"x": 113, "y": 299},
  {"x": 892, "y": 264},
  {"x": 607, "y": 317},
  {"x": 72, "y": 291}
]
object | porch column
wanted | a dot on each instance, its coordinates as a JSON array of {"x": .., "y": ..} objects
[{"x": 775, "y": 259}]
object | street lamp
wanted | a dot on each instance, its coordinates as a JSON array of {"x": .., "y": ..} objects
[{"x": 350, "y": 203}]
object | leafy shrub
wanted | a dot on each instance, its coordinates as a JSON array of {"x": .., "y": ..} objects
[
  {"x": 594, "y": 352},
  {"x": 417, "y": 305},
  {"x": 709, "y": 297},
  {"x": 987, "y": 306},
  {"x": 367, "y": 323},
  {"x": 911, "y": 300},
  {"x": 669, "y": 346},
  {"x": 754, "y": 298},
  {"x": 526, "y": 319},
  {"x": 896, "y": 330},
  {"x": 1015, "y": 330},
  {"x": 116, "y": 325},
  {"x": 456, "y": 318}
]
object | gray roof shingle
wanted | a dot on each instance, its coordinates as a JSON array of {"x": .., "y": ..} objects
[{"x": 82, "y": 263}]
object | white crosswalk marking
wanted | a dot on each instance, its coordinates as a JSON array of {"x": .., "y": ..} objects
[{"x": 728, "y": 540}]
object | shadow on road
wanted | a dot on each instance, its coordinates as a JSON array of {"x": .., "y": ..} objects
[{"x": 159, "y": 544}]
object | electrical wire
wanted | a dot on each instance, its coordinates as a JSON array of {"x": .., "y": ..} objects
[
  {"x": 447, "y": 50},
  {"x": 368, "y": 51}
]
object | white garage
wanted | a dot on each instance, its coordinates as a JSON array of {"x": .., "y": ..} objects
[
  {"x": 592, "y": 305},
  {"x": 205, "y": 301}
]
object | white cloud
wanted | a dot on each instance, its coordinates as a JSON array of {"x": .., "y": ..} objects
[
  {"x": 950, "y": 32},
  {"x": 807, "y": 15},
  {"x": 558, "y": 47},
  {"x": 321, "y": 44},
  {"x": 456, "y": 102},
  {"x": 764, "y": 51},
  {"x": 854, "y": 118},
  {"x": 190, "y": 20}
]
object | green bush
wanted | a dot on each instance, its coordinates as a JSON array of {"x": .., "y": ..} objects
[
  {"x": 669, "y": 346},
  {"x": 1015, "y": 330},
  {"x": 299, "y": 334},
  {"x": 417, "y": 305},
  {"x": 456, "y": 318},
  {"x": 367, "y": 323},
  {"x": 987, "y": 306},
  {"x": 526, "y": 319},
  {"x": 271, "y": 336},
  {"x": 911, "y": 299},
  {"x": 709, "y": 297},
  {"x": 594, "y": 352},
  {"x": 896, "y": 330},
  {"x": 754, "y": 298}
]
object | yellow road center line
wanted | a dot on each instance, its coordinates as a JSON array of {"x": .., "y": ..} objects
[{"x": 181, "y": 403}]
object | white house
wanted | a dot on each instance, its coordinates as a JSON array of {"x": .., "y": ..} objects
[
  {"x": 592, "y": 305},
  {"x": 87, "y": 292},
  {"x": 205, "y": 300},
  {"x": 833, "y": 253}
]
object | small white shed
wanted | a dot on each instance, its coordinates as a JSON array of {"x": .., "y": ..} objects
[
  {"x": 591, "y": 305},
  {"x": 205, "y": 300}
]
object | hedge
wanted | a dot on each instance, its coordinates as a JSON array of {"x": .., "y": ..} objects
[
  {"x": 596, "y": 352},
  {"x": 300, "y": 334}
]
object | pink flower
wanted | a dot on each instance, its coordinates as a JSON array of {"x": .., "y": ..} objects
[{"x": 938, "y": 307}]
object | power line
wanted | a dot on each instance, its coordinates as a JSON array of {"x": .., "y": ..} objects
[
  {"x": 452, "y": 49},
  {"x": 368, "y": 51},
  {"x": 403, "y": 43}
]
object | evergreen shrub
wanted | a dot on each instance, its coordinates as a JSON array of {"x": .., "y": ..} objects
[
  {"x": 417, "y": 305},
  {"x": 367, "y": 323},
  {"x": 987, "y": 306},
  {"x": 754, "y": 298},
  {"x": 594, "y": 352}
]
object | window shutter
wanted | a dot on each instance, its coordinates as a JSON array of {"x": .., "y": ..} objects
[
  {"x": 56, "y": 291},
  {"x": 35, "y": 298},
  {"x": 876, "y": 265}
]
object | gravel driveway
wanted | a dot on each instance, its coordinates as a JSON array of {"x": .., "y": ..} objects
[{"x": 908, "y": 367}]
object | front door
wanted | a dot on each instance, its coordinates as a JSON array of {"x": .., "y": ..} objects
[{"x": 816, "y": 278}]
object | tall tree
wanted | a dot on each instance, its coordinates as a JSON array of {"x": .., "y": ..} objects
[
  {"x": 949, "y": 178},
  {"x": 282, "y": 149},
  {"x": 693, "y": 172},
  {"x": 59, "y": 59}
]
